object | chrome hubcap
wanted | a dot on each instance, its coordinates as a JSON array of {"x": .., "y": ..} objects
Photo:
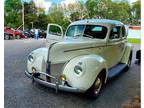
[
  {"x": 98, "y": 85},
  {"x": 6, "y": 37}
]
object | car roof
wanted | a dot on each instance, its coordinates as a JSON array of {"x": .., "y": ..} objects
[{"x": 97, "y": 21}]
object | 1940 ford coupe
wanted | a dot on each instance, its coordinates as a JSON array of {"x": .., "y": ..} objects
[{"x": 90, "y": 52}]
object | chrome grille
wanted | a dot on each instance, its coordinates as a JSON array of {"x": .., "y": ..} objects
[{"x": 56, "y": 69}]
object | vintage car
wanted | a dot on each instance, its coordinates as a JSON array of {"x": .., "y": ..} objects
[{"x": 90, "y": 52}]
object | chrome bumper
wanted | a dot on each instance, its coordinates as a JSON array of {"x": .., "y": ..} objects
[{"x": 56, "y": 85}]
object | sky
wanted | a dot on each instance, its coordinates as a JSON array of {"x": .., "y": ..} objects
[{"x": 47, "y": 3}]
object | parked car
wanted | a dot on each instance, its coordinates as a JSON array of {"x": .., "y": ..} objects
[
  {"x": 19, "y": 34},
  {"x": 42, "y": 34},
  {"x": 10, "y": 33},
  {"x": 27, "y": 32},
  {"x": 91, "y": 52},
  {"x": 138, "y": 57}
]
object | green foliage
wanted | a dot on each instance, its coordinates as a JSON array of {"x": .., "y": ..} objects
[
  {"x": 65, "y": 14},
  {"x": 133, "y": 40},
  {"x": 56, "y": 15},
  {"x": 12, "y": 13},
  {"x": 136, "y": 9},
  {"x": 30, "y": 13}
]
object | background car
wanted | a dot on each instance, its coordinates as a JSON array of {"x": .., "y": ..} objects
[
  {"x": 138, "y": 57},
  {"x": 10, "y": 33},
  {"x": 42, "y": 33}
]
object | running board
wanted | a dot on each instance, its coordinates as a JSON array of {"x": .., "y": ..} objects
[{"x": 116, "y": 70}]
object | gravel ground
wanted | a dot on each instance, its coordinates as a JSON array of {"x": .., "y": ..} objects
[{"x": 21, "y": 93}]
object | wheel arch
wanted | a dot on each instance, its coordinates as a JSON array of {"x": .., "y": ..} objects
[{"x": 104, "y": 73}]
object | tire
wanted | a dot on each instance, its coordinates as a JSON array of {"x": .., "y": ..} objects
[
  {"x": 96, "y": 88},
  {"x": 18, "y": 37},
  {"x": 6, "y": 37},
  {"x": 129, "y": 62}
]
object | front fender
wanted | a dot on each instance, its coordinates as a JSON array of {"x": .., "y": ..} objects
[
  {"x": 91, "y": 65},
  {"x": 40, "y": 59}
]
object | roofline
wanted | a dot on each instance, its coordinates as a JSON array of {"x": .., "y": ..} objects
[{"x": 97, "y": 21}]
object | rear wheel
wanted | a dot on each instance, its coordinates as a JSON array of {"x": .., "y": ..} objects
[
  {"x": 6, "y": 37},
  {"x": 95, "y": 89}
]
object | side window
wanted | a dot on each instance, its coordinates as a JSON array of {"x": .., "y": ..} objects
[
  {"x": 75, "y": 30},
  {"x": 123, "y": 31},
  {"x": 54, "y": 30},
  {"x": 96, "y": 31},
  {"x": 115, "y": 33}
]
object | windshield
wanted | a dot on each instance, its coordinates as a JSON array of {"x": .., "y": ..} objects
[{"x": 91, "y": 31}]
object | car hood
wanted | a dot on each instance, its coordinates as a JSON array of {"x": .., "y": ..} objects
[
  {"x": 63, "y": 49},
  {"x": 72, "y": 40}
]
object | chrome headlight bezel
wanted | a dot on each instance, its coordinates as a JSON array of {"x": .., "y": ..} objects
[
  {"x": 30, "y": 58},
  {"x": 78, "y": 70}
]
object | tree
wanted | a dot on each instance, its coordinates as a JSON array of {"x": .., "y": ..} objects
[
  {"x": 97, "y": 8},
  {"x": 75, "y": 11},
  {"x": 42, "y": 21},
  {"x": 120, "y": 11},
  {"x": 63, "y": 14},
  {"x": 13, "y": 13},
  {"x": 30, "y": 13},
  {"x": 56, "y": 15},
  {"x": 136, "y": 11}
]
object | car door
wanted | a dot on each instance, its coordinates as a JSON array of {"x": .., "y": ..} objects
[
  {"x": 123, "y": 41},
  {"x": 114, "y": 46},
  {"x": 54, "y": 33},
  {"x": 54, "y": 30}
]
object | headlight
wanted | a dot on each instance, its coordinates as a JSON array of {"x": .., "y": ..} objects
[
  {"x": 30, "y": 58},
  {"x": 78, "y": 70}
]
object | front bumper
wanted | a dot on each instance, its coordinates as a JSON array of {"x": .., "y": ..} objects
[{"x": 56, "y": 85}]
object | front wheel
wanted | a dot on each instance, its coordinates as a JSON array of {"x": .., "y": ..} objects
[
  {"x": 95, "y": 89},
  {"x": 6, "y": 37}
]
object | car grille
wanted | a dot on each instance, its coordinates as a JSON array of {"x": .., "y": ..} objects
[{"x": 56, "y": 70}]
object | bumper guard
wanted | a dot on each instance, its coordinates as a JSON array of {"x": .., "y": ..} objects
[{"x": 55, "y": 85}]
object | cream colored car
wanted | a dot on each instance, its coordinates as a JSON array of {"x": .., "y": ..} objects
[{"x": 90, "y": 52}]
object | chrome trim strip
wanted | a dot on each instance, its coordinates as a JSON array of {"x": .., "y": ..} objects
[{"x": 83, "y": 48}]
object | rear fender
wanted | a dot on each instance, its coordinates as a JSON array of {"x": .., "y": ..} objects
[
  {"x": 126, "y": 54},
  {"x": 91, "y": 66}
]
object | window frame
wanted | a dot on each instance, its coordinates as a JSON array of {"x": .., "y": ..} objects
[
  {"x": 125, "y": 35},
  {"x": 85, "y": 28},
  {"x": 115, "y": 39}
]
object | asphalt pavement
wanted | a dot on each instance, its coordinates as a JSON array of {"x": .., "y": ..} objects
[{"x": 19, "y": 92}]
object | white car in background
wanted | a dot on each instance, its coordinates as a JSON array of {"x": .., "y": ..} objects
[{"x": 90, "y": 52}]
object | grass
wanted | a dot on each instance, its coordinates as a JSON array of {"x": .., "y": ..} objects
[{"x": 133, "y": 40}]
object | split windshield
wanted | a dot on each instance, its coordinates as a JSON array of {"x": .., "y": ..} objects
[{"x": 91, "y": 31}]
